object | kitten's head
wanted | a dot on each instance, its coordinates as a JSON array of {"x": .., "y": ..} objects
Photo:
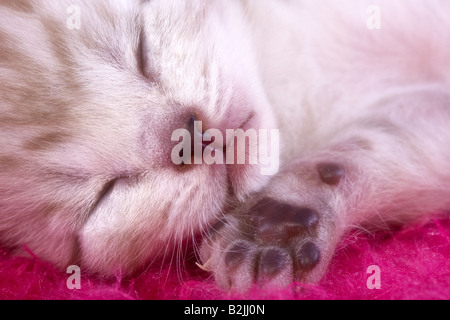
[{"x": 91, "y": 94}]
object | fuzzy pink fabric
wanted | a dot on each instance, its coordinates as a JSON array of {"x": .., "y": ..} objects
[{"x": 414, "y": 264}]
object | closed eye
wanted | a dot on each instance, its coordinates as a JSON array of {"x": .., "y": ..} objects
[
  {"x": 142, "y": 57},
  {"x": 140, "y": 54}
]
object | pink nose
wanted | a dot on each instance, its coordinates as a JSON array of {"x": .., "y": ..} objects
[{"x": 197, "y": 136}]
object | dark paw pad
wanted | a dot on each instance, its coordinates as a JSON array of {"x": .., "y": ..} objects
[
  {"x": 272, "y": 244},
  {"x": 272, "y": 262},
  {"x": 275, "y": 222},
  {"x": 307, "y": 257}
]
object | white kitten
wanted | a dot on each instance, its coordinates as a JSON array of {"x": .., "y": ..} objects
[
  {"x": 88, "y": 111},
  {"x": 86, "y": 122}
]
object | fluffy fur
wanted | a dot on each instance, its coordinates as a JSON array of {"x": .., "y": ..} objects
[
  {"x": 87, "y": 115},
  {"x": 86, "y": 109},
  {"x": 414, "y": 265}
]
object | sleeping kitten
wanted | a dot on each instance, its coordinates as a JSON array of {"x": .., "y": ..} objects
[{"x": 92, "y": 92}]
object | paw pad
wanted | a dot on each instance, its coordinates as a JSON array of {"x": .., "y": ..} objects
[
  {"x": 272, "y": 262},
  {"x": 276, "y": 222},
  {"x": 307, "y": 257},
  {"x": 276, "y": 243}
]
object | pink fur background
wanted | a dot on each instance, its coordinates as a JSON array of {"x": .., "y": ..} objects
[{"x": 414, "y": 264}]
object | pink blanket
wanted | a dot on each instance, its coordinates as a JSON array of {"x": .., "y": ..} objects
[{"x": 413, "y": 264}]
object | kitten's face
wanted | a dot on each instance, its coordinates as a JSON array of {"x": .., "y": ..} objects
[{"x": 87, "y": 117}]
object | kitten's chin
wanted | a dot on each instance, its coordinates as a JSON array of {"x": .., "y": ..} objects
[{"x": 142, "y": 219}]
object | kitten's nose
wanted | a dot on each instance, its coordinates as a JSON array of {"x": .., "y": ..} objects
[
  {"x": 197, "y": 132},
  {"x": 199, "y": 138}
]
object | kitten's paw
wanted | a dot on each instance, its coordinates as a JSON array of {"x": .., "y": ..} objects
[{"x": 272, "y": 244}]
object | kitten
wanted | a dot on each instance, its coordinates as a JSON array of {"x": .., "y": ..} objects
[{"x": 89, "y": 104}]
